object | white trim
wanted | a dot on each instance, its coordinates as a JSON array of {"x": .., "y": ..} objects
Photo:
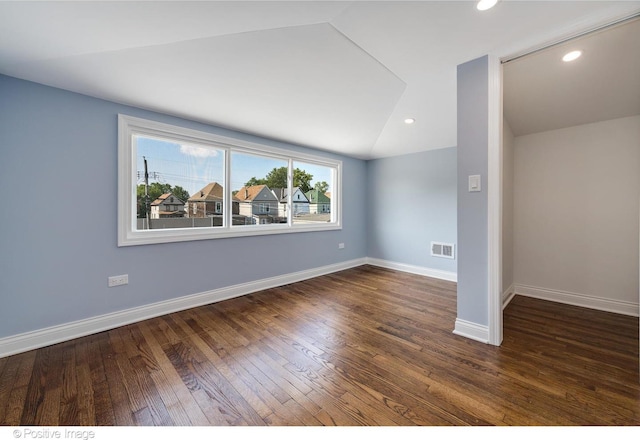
[
  {"x": 472, "y": 330},
  {"x": 508, "y": 295},
  {"x": 64, "y": 332},
  {"x": 494, "y": 199},
  {"x": 578, "y": 299},
  {"x": 417, "y": 270},
  {"x": 129, "y": 235}
]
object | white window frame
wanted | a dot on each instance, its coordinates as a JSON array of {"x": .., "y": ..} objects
[{"x": 129, "y": 235}]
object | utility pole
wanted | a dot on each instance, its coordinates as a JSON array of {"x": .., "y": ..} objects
[{"x": 146, "y": 191}]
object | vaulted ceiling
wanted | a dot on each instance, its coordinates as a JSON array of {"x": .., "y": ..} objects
[{"x": 333, "y": 75}]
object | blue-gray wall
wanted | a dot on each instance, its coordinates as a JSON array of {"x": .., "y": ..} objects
[
  {"x": 473, "y": 273},
  {"x": 59, "y": 173},
  {"x": 412, "y": 202}
]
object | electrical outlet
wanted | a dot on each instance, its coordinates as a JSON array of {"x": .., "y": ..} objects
[
  {"x": 340, "y": 245},
  {"x": 118, "y": 280}
]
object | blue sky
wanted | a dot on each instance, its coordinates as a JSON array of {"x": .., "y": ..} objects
[{"x": 193, "y": 167}]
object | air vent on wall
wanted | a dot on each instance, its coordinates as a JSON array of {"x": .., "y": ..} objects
[{"x": 444, "y": 250}]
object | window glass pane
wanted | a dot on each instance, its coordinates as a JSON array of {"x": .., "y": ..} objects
[
  {"x": 178, "y": 185},
  {"x": 312, "y": 187},
  {"x": 257, "y": 183},
  {"x": 172, "y": 186}
]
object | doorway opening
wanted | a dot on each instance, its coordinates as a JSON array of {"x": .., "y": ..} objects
[{"x": 569, "y": 167}]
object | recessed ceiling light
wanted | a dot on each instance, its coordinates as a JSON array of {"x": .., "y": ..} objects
[
  {"x": 409, "y": 121},
  {"x": 572, "y": 56},
  {"x": 483, "y": 5}
]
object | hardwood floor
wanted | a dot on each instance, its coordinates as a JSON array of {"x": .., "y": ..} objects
[{"x": 366, "y": 346}]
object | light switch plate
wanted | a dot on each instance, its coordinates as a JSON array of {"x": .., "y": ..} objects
[{"x": 475, "y": 183}]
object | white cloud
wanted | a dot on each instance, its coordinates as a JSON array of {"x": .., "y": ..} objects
[{"x": 201, "y": 152}]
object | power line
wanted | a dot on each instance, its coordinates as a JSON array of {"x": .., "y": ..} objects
[{"x": 152, "y": 175}]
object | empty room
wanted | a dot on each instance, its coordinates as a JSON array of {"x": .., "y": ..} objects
[{"x": 319, "y": 213}]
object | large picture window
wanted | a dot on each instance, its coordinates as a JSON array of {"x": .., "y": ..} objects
[{"x": 178, "y": 184}]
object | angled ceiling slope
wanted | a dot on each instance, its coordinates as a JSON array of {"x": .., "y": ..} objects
[
  {"x": 542, "y": 92},
  {"x": 338, "y": 76}
]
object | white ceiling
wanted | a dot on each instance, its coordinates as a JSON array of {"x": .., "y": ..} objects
[
  {"x": 338, "y": 76},
  {"x": 541, "y": 92}
]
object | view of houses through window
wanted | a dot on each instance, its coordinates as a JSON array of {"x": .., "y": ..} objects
[{"x": 182, "y": 186}]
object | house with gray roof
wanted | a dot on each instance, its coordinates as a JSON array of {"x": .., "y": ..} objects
[
  {"x": 299, "y": 201},
  {"x": 167, "y": 206}
]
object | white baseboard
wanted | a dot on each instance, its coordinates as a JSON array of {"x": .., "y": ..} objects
[
  {"x": 577, "y": 299},
  {"x": 508, "y": 295},
  {"x": 64, "y": 332},
  {"x": 472, "y": 330},
  {"x": 417, "y": 270}
]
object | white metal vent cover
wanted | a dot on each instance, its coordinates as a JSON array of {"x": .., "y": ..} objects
[{"x": 444, "y": 250}]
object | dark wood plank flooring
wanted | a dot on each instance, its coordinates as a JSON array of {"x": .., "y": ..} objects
[{"x": 366, "y": 346}]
